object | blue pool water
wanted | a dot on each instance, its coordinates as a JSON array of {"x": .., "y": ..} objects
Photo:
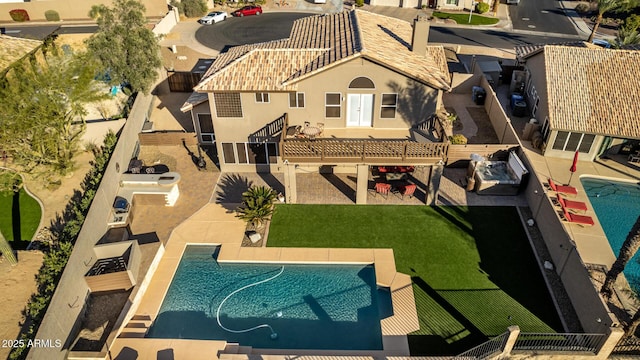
[
  {"x": 308, "y": 306},
  {"x": 617, "y": 205}
]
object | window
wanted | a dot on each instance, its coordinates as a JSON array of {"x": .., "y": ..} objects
[
  {"x": 452, "y": 2},
  {"x": 568, "y": 141},
  {"x": 361, "y": 83},
  {"x": 228, "y": 104},
  {"x": 332, "y": 105},
  {"x": 227, "y": 152},
  {"x": 250, "y": 153},
  {"x": 205, "y": 124},
  {"x": 262, "y": 97},
  {"x": 388, "y": 106},
  {"x": 296, "y": 100}
]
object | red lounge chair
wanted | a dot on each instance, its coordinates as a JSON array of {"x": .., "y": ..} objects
[
  {"x": 383, "y": 189},
  {"x": 407, "y": 190},
  {"x": 578, "y": 219},
  {"x": 568, "y": 190},
  {"x": 571, "y": 204}
]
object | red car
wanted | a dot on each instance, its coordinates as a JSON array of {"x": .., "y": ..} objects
[{"x": 248, "y": 10}]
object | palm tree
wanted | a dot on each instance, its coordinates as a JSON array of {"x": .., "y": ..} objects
[
  {"x": 633, "y": 324},
  {"x": 629, "y": 248},
  {"x": 605, "y": 6},
  {"x": 257, "y": 205}
]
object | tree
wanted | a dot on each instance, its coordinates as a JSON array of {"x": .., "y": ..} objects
[
  {"x": 43, "y": 110},
  {"x": 128, "y": 51},
  {"x": 628, "y": 32},
  {"x": 191, "y": 8},
  {"x": 605, "y": 6},
  {"x": 629, "y": 248},
  {"x": 257, "y": 205}
]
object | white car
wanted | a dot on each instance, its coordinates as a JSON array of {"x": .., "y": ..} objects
[{"x": 213, "y": 17}]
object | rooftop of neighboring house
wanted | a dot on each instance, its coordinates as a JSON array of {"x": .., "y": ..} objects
[
  {"x": 591, "y": 89},
  {"x": 13, "y": 49},
  {"x": 317, "y": 43}
]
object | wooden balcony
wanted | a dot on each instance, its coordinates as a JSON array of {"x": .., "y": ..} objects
[{"x": 362, "y": 150}]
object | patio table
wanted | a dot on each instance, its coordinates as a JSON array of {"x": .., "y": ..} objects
[{"x": 311, "y": 131}]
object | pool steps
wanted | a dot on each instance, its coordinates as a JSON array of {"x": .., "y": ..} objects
[{"x": 137, "y": 327}]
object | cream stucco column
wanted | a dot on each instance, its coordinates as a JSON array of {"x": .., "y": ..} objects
[
  {"x": 614, "y": 337},
  {"x": 514, "y": 331},
  {"x": 290, "y": 190},
  {"x": 362, "y": 173},
  {"x": 434, "y": 183}
]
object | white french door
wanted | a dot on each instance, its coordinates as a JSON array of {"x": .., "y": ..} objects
[{"x": 359, "y": 109}]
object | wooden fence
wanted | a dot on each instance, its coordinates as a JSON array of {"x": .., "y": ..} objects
[
  {"x": 461, "y": 153},
  {"x": 183, "y": 81}
]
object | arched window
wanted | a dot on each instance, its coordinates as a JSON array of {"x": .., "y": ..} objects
[{"x": 361, "y": 83}]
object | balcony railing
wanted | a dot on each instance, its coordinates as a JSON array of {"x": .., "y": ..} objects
[{"x": 355, "y": 150}]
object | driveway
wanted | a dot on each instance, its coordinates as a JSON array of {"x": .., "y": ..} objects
[{"x": 248, "y": 29}]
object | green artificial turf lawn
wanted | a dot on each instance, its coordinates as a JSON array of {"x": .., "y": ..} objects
[
  {"x": 29, "y": 216},
  {"x": 463, "y": 18},
  {"x": 473, "y": 269}
]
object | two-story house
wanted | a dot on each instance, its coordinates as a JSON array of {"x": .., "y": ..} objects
[
  {"x": 586, "y": 98},
  {"x": 344, "y": 89}
]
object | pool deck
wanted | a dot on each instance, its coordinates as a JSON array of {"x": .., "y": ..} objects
[
  {"x": 216, "y": 224},
  {"x": 591, "y": 241}
]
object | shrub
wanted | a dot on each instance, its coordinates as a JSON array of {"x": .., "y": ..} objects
[
  {"x": 57, "y": 255},
  {"x": 52, "y": 15},
  {"x": 458, "y": 139},
  {"x": 482, "y": 8},
  {"x": 19, "y": 15},
  {"x": 359, "y": 3},
  {"x": 583, "y": 8},
  {"x": 191, "y": 8}
]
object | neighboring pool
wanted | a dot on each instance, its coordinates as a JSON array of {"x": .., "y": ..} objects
[
  {"x": 617, "y": 205},
  {"x": 333, "y": 307}
]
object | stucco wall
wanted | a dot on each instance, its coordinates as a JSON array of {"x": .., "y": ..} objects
[
  {"x": 72, "y": 9},
  {"x": 565, "y": 257},
  {"x": 415, "y": 102},
  {"x": 68, "y": 299}
]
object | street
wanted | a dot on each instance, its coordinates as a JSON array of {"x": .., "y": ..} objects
[{"x": 540, "y": 15}]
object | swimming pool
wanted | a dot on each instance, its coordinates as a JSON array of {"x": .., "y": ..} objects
[
  {"x": 617, "y": 205},
  {"x": 335, "y": 307}
]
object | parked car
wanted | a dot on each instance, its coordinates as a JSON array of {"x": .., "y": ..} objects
[
  {"x": 248, "y": 10},
  {"x": 213, "y": 17}
]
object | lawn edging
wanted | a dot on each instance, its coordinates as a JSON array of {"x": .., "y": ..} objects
[
  {"x": 462, "y": 18},
  {"x": 35, "y": 197}
]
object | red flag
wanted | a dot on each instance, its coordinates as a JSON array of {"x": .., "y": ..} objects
[{"x": 575, "y": 162}]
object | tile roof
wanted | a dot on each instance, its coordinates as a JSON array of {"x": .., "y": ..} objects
[
  {"x": 593, "y": 90},
  {"x": 525, "y": 51},
  {"x": 13, "y": 49},
  {"x": 317, "y": 43}
]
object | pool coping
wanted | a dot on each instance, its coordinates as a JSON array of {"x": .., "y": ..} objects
[{"x": 214, "y": 225}]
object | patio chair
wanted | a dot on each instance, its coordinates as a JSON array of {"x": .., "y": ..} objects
[
  {"x": 563, "y": 189},
  {"x": 383, "y": 189},
  {"x": 577, "y": 219},
  {"x": 321, "y": 127},
  {"x": 571, "y": 204},
  {"x": 407, "y": 190}
]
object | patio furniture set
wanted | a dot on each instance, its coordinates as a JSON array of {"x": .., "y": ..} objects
[
  {"x": 306, "y": 132},
  {"x": 566, "y": 204},
  {"x": 393, "y": 180}
]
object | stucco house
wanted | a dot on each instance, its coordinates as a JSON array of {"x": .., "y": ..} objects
[
  {"x": 346, "y": 88},
  {"x": 586, "y": 98}
]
